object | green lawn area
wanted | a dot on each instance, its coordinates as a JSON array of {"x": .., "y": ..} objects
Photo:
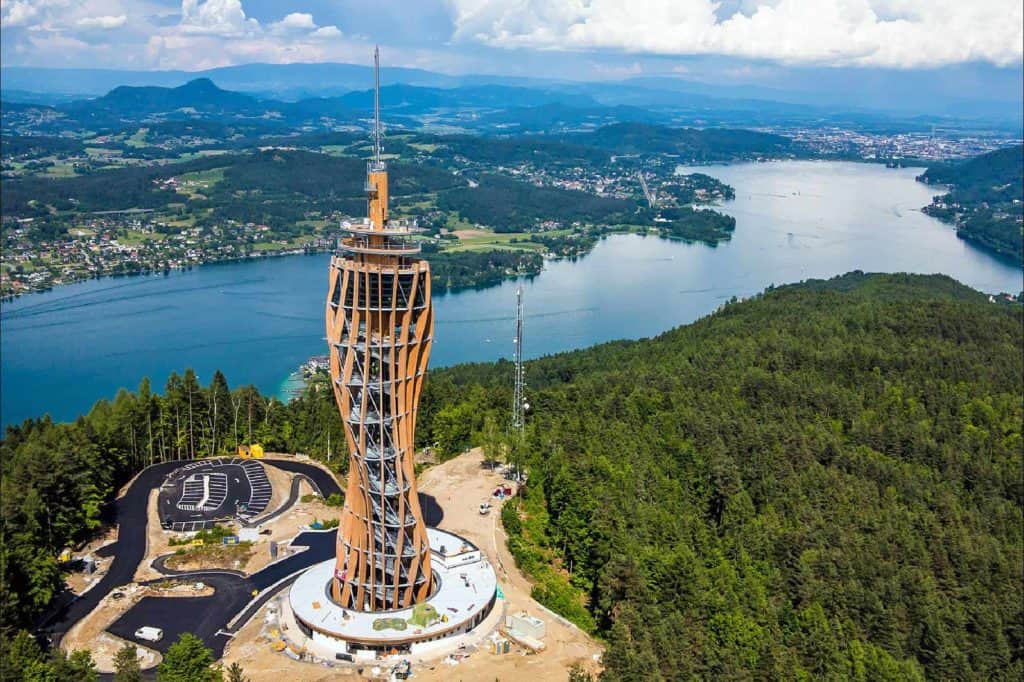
[
  {"x": 138, "y": 138},
  {"x": 316, "y": 226},
  {"x": 424, "y": 147},
  {"x": 189, "y": 156},
  {"x": 135, "y": 237},
  {"x": 194, "y": 184},
  {"x": 456, "y": 222},
  {"x": 485, "y": 240},
  {"x": 295, "y": 243},
  {"x": 411, "y": 207},
  {"x": 101, "y": 152},
  {"x": 60, "y": 169},
  {"x": 335, "y": 149},
  {"x": 187, "y": 221}
]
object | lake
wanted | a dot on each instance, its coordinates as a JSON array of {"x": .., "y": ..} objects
[{"x": 258, "y": 320}]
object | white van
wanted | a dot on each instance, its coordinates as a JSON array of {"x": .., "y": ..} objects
[{"x": 150, "y": 634}]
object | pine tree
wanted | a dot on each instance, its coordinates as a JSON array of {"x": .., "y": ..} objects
[
  {"x": 236, "y": 674},
  {"x": 126, "y": 665},
  {"x": 78, "y": 667},
  {"x": 188, "y": 660}
]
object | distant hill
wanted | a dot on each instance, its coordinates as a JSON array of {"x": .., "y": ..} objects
[
  {"x": 982, "y": 173},
  {"x": 276, "y": 79},
  {"x": 202, "y": 98},
  {"x": 698, "y": 144},
  {"x": 569, "y": 113},
  {"x": 985, "y": 199},
  {"x": 410, "y": 100},
  {"x": 967, "y": 91},
  {"x": 201, "y": 95}
]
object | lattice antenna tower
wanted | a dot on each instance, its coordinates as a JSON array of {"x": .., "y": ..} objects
[{"x": 518, "y": 396}]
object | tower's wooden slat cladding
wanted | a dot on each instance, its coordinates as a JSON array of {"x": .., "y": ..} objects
[{"x": 379, "y": 326}]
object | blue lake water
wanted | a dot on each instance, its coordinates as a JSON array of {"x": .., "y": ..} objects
[{"x": 257, "y": 321}]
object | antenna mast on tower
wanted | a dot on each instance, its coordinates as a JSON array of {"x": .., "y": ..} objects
[{"x": 376, "y": 107}]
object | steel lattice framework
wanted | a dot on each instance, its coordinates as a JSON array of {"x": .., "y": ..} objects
[{"x": 379, "y": 327}]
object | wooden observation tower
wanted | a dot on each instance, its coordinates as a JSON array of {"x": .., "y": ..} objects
[{"x": 379, "y": 328}]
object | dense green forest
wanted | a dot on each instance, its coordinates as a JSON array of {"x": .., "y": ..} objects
[
  {"x": 308, "y": 180},
  {"x": 694, "y": 144},
  {"x": 121, "y": 188},
  {"x": 693, "y": 224},
  {"x": 825, "y": 482},
  {"x": 473, "y": 269},
  {"x": 514, "y": 151},
  {"x": 985, "y": 199},
  {"x": 510, "y": 205},
  {"x": 821, "y": 482}
]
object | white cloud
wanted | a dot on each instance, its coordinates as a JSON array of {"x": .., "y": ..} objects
[
  {"x": 296, "y": 21},
  {"x": 218, "y": 32},
  {"x": 216, "y": 17},
  {"x": 107, "y": 22},
  {"x": 888, "y": 33},
  {"x": 326, "y": 33},
  {"x": 17, "y": 13}
]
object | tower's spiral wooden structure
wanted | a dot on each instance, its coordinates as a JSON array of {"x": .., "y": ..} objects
[{"x": 379, "y": 329}]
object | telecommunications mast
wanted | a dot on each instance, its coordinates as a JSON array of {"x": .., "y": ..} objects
[{"x": 519, "y": 404}]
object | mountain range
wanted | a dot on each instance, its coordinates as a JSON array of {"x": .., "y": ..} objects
[{"x": 994, "y": 96}]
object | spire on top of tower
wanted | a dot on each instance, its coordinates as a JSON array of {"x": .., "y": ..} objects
[{"x": 376, "y": 107}]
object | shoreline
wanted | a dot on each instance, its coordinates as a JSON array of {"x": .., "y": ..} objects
[
  {"x": 578, "y": 301},
  {"x": 166, "y": 271}
]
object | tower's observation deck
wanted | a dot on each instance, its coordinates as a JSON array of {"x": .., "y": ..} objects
[{"x": 379, "y": 326}]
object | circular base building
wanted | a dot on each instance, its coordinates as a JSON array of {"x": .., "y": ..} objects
[{"x": 463, "y": 594}]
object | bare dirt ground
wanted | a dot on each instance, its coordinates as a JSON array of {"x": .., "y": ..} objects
[
  {"x": 459, "y": 486},
  {"x": 157, "y": 541},
  {"x": 79, "y": 581},
  {"x": 281, "y": 486}
]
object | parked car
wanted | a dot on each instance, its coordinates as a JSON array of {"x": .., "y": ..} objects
[{"x": 150, "y": 634}]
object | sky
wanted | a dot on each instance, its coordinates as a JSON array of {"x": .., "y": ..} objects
[{"x": 571, "y": 39}]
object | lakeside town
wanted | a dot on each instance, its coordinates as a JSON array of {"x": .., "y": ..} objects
[
  {"x": 62, "y": 247},
  {"x": 127, "y": 244}
]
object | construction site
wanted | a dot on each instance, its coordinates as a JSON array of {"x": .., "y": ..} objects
[{"x": 520, "y": 639}]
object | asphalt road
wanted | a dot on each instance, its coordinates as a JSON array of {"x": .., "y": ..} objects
[
  {"x": 128, "y": 551},
  {"x": 204, "y": 616},
  {"x": 208, "y": 617}
]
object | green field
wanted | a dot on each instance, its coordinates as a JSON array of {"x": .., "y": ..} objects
[
  {"x": 60, "y": 169},
  {"x": 135, "y": 237},
  {"x": 485, "y": 240},
  {"x": 194, "y": 184},
  {"x": 138, "y": 138},
  {"x": 279, "y": 245}
]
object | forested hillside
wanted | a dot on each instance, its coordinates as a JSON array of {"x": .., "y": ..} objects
[
  {"x": 713, "y": 144},
  {"x": 824, "y": 482},
  {"x": 984, "y": 201}
]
